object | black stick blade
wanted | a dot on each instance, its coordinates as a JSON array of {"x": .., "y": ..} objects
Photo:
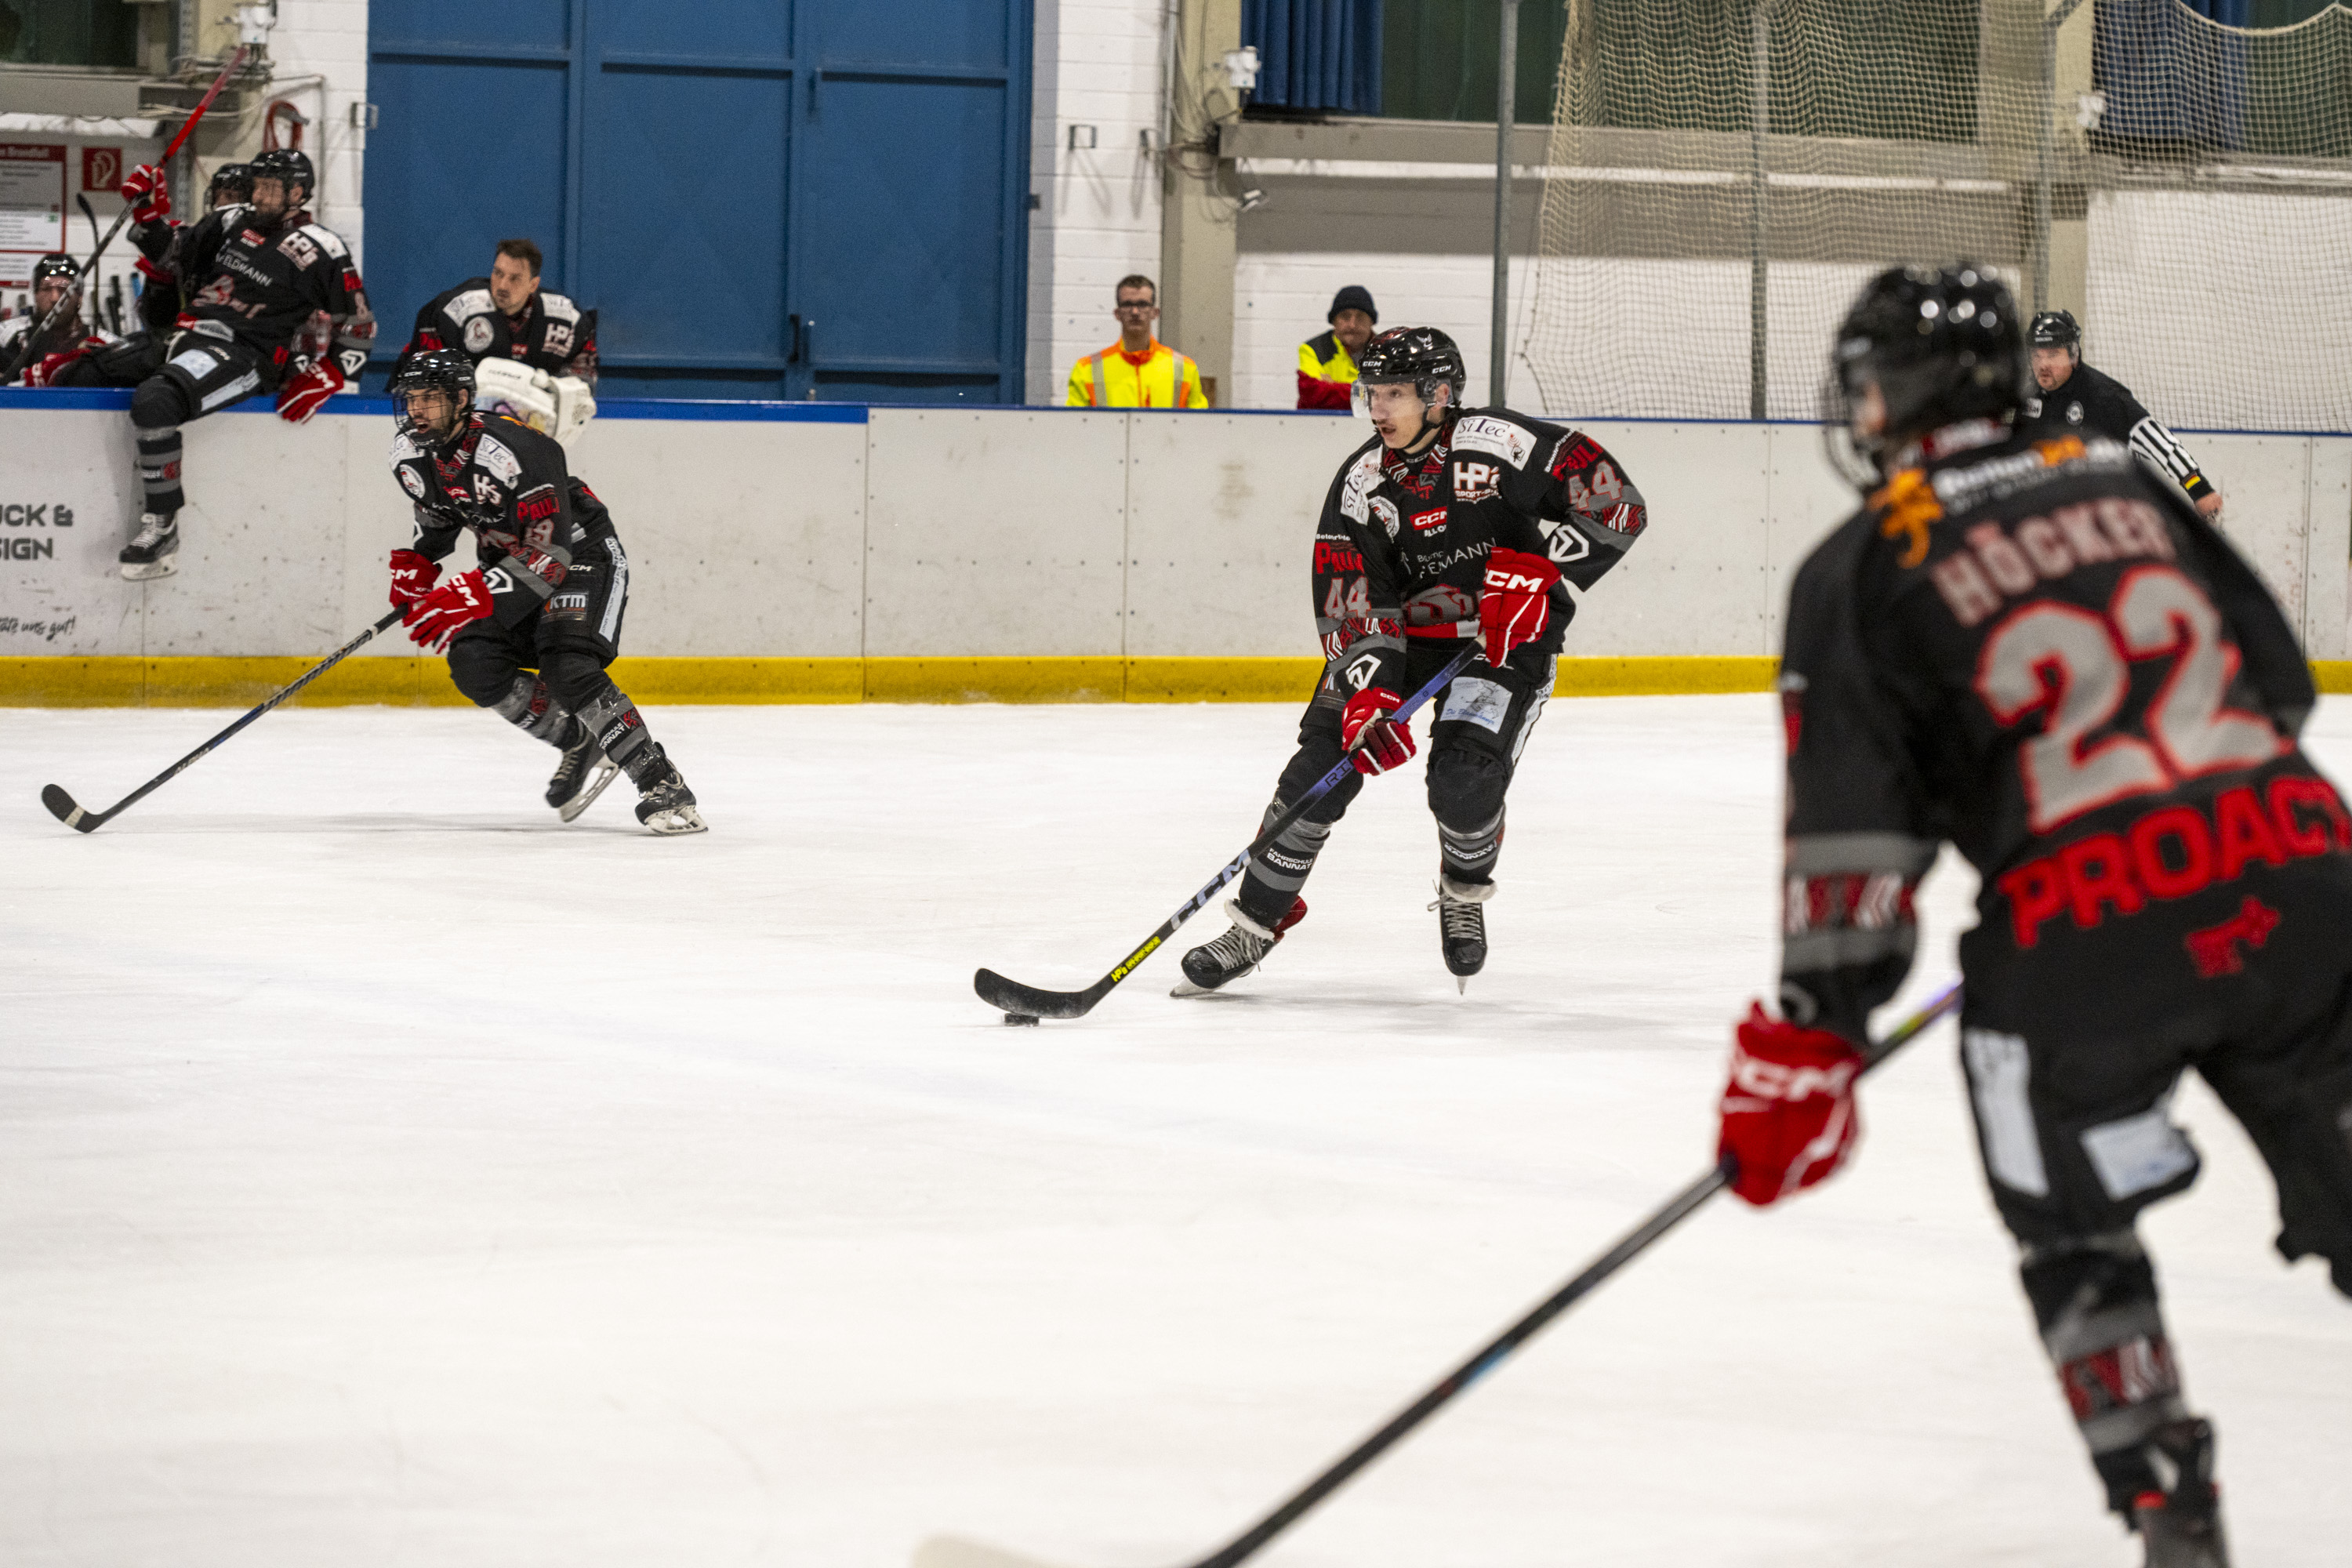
[
  {"x": 1012, "y": 996},
  {"x": 61, "y": 806}
]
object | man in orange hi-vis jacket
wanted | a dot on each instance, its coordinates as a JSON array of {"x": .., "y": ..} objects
[{"x": 1138, "y": 370}]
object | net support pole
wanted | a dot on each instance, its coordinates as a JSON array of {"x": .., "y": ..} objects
[
  {"x": 2047, "y": 150},
  {"x": 1507, "y": 66},
  {"x": 1760, "y": 116}
]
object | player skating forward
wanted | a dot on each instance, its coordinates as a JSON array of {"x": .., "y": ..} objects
[
  {"x": 1447, "y": 525},
  {"x": 249, "y": 279},
  {"x": 547, "y": 597},
  {"x": 2035, "y": 651}
]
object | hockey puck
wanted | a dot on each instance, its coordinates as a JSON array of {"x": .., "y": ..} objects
[{"x": 1021, "y": 1018}]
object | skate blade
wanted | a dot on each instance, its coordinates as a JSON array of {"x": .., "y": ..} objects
[
  {"x": 137, "y": 571},
  {"x": 1184, "y": 986},
  {"x": 676, "y": 820},
  {"x": 605, "y": 773}
]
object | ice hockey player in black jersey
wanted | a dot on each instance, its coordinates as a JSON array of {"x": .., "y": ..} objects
[
  {"x": 230, "y": 186},
  {"x": 529, "y": 630},
  {"x": 40, "y": 357},
  {"x": 230, "y": 301},
  {"x": 1447, "y": 525},
  {"x": 2034, "y": 651},
  {"x": 508, "y": 315},
  {"x": 2069, "y": 398}
]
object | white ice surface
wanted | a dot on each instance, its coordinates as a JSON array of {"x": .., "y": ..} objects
[{"x": 389, "y": 1175}]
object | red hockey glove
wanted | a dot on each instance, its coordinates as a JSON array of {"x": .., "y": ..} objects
[
  {"x": 46, "y": 373},
  {"x": 1516, "y": 601},
  {"x": 1789, "y": 1115},
  {"x": 300, "y": 396},
  {"x": 434, "y": 619},
  {"x": 1386, "y": 744},
  {"x": 413, "y": 576},
  {"x": 147, "y": 194}
]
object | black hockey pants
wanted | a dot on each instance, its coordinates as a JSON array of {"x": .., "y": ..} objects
[
  {"x": 565, "y": 644},
  {"x": 1481, "y": 725},
  {"x": 2077, "y": 1139}
]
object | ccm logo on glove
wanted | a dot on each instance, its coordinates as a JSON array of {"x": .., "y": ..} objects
[
  {"x": 1787, "y": 1114},
  {"x": 1515, "y": 602},
  {"x": 434, "y": 619}
]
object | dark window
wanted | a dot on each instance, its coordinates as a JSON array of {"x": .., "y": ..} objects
[
  {"x": 69, "y": 32},
  {"x": 1901, "y": 68}
]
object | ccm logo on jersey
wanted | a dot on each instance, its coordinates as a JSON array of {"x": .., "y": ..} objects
[
  {"x": 1476, "y": 481},
  {"x": 1430, "y": 522}
]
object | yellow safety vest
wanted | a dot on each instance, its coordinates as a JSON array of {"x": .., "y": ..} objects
[
  {"x": 1109, "y": 379},
  {"x": 1326, "y": 358}
]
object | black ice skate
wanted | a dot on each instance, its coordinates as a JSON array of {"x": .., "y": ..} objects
[
  {"x": 154, "y": 549},
  {"x": 1235, "y": 953},
  {"x": 2182, "y": 1528},
  {"x": 582, "y": 775},
  {"x": 663, "y": 803},
  {"x": 1461, "y": 926}
]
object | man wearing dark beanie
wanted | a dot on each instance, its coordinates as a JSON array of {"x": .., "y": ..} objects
[{"x": 1326, "y": 364}]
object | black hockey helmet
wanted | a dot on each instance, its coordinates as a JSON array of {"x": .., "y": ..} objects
[
  {"x": 1423, "y": 355},
  {"x": 287, "y": 165},
  {"x": 231, "y": 183},
  {"x": 55, "y": 263},
  {"x": 1942, "y": 345},
  {"x": 2055, "y": 329},
  {"x": 433, "y": 370}
]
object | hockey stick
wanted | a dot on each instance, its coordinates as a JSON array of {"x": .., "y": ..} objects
[
  {"x": 61, "y": 804},
  {"x": 17, "y": 364},
  {"x": 1027, "y": 1003},
  {"x": 953, "y": 1551}
]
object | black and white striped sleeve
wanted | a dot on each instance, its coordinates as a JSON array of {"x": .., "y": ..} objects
[{"x": 2161, "y": 450}]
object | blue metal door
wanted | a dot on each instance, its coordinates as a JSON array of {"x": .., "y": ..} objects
[
  {"x": 827, "y": 198},
  {"x": 910, "y": 227}
]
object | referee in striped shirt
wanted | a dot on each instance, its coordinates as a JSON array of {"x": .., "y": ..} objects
[{"x": 2076, "y": 400}]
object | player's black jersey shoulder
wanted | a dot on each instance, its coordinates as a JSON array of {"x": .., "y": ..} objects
[{"x": 2091, "y": 402}]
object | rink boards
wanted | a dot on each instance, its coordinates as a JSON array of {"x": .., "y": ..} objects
[{"x": 833, "y": 553}]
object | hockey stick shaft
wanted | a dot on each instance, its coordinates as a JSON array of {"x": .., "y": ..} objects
[
  {"x": 62, "y": 806},
  {"x": 1676, "y": 1209},
  {"x": 1012, "y": 996},
  {"x": 17, "y": 365}
]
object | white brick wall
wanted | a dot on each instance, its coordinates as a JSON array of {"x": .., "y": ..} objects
[
  {"x": 328, "y": 39},
  {"x": 317, "y": 55},
  {"x": 1099, "y": 64},
  {"x": 1279, "y": 302}
]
